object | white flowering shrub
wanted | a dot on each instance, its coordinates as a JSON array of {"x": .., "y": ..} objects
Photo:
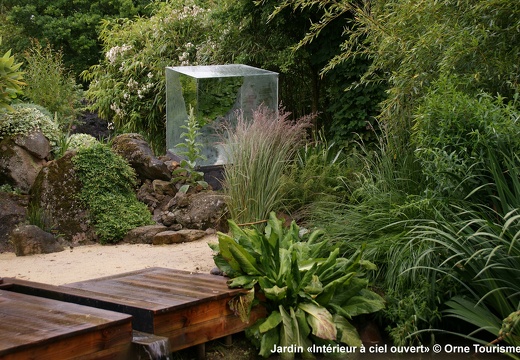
[
  {"x": 78, "y": 141},
  {"x": 128, "y": 87},
  {"x": 25, "y": 119}
]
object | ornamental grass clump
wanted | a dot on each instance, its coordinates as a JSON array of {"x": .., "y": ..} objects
[{"x": 259, "y": 152}]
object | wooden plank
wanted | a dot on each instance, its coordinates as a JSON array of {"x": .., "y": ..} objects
[
  {"x": 187, "y": 308},
  {"x": 209, "y": 330},
  {"x": 40, "y": 328}
]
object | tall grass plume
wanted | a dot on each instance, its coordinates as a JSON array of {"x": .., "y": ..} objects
[{"x": 259, "y": 151}]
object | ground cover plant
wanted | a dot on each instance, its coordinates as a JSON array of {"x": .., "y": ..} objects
[
  {"x": 310, "y": 297},
  {"x": 108, "y": 191}
]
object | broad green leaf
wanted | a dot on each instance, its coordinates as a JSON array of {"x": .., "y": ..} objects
[
  {"x": 266, "y": 282},
  {"x": 328, "y": 264},
  {"x": 320, "y": 320},
  {"x": 307, "y": 277},
  {"x": 235, "y": 229},
  {"x": 291, "y": 236},
  {"x": 224, "y": 266},
  {"x": 303, "y": 325},
  {"x": 273, "y": 320},
  {"x": 268, "y": 341},
  {"x": 275, "y": 293},
  {"x": 315, "y": 236},
  {"x": 246, "y": 262},
  {"x": 330, "y": 289},
  {"x": 347, "y": 332},
  {"x": 344, "y": 293},
  {"x": 365, "y": 303},
  {"x": 224, "y": 242},
  {"x": 367, "y": 265},
  {"x": 314, "y": 287},
  {"x": 287, "y": 333},
  {"x": 245, "y": 281},
  {"x": 285, "y": 266}
]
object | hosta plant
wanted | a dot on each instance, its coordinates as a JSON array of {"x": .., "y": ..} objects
[{"x": 309, "y": 298}]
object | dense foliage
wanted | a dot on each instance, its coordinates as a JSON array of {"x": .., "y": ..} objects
[
  {"x": 26, "y": 118},
  {"x": 44, "y": 70},
  {"x": 108, "y": 191},
  {"x": 72, "y": 27},
  {"x": 451, "y": 105},
  {"x": 10, "y": 79},
  {"x": 269, "y": 42},
  {"x": 308, "y": 297},
  {"x": 128, "y": 86}
]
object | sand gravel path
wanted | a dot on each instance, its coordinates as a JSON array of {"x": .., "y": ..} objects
[{"x": 92, "y": 261}]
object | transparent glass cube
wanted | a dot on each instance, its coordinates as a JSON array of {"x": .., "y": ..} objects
[{"x": 216, "y": 93}]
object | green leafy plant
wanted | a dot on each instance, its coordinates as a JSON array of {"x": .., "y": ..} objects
[
  {"x": 187, "y": 173},
  {"x": 37, "y": 216},
  {"x": 107, "y": 189},
  {"x": 11, "y": 80},
  {"x": 44, "y": 71},
  {"x": 319, "y": 173},
  {"x": 308, "y": 297},
  {"x": 26, "y": 118},
  {"x": 128, "y": 86},
  {"x": 9, "y": 189}
]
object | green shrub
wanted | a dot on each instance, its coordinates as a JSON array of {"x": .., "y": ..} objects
[
  {"x": 309, "y": 298},
  {"x": 259, "y": 152},
  {"x": 128, "y": 87},
  {"x": 78, "y": 141},
  {"x": 453, "y": 130},
  {"x": 319, "y": 173},
  {"x": 50, "y": 85},
  {"x": 26, "y": 118},
  {"x": 10, "y": 79},
  {"x": 108, "y": 192}
]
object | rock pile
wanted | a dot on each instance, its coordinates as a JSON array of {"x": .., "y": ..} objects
[{"x": 53, "y": 187}]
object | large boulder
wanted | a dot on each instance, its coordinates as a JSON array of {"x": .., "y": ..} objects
[
  {"x": 206, "y": 210},
  {"x": 137, "y": 152},
  {"x": 30, "y": 240},
  {"x": 56, "y": 192},
  {"x": 35, "y": 143},
  {"x": 22, "y": 158},
  {"x": 13, "y": 211}
]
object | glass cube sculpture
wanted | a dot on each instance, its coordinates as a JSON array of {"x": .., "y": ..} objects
[{"x": 216, "y": 94}]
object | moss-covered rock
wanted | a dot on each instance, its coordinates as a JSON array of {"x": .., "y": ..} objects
[
  {"x": 13, "y": 211},
  {"x": 56, "y": 192}
]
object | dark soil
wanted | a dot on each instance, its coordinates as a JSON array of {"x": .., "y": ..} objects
[
  {"x": 240, "y": 349},
  {"x": 90, "y": 123}
]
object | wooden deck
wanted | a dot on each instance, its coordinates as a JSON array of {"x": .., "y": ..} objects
[
  {"x": 38, "y": 328},
  {"x": 187, "y": 308}
]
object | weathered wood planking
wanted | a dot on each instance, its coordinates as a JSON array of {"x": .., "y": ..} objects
[
  {"x": 39, "y": 328},
  {"x": 187, "y": 308}
]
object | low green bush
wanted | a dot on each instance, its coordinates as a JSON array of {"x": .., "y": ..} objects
[
  {"x": 26, "y": 118},
  {"x": 108, "y": 191},
  {"x": 310, "y": 297}
]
